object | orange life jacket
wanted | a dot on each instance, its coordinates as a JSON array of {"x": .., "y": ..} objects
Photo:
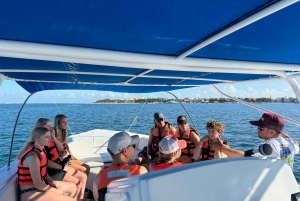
[
  {"x": 24, "y": 177},
  {"x": 52, "y": 152},
  {"x": 156, "y": 136},
  {"x": 113, "y": 172},
  {"x": 190, "y": 147},
  {"x": 208, "y": 154},
  {"x": 160, "y": 166}
]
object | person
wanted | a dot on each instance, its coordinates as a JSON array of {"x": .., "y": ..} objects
[
  {"x": 203, "y": 150},
  {"x": 121, "y": 148},
  {"x": 270, "y": 128},
  {"x": 32, "y": 173},
  {"x": 160, "y": 129},
  {"x": 60, "y": 127},
  {"x": 54, "y": 164},
  {"x": 191, "y": 137},
  {"x": 169, "y": 152}
]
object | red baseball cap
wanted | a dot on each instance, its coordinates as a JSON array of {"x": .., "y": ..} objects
[{"x": 270, "y": 120}]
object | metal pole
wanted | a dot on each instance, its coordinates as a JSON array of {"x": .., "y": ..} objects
[
  {"x": 295, "y": 86},
  {"x": 256, "y": 107},
  {"x": 13, "y": 134},
  {"x": 186, "y": 112},
  {"x": 1, "y": 79}
]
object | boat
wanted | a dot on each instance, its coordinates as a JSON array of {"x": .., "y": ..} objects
[{"x": 142, "y": 46}]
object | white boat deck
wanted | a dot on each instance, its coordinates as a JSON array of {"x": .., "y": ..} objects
[
  {"x": 88, "y": 147},
  {"x": 91, "y": 148}
]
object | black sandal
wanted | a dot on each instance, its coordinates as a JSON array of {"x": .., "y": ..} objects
[{"x": 90, "y": 194}]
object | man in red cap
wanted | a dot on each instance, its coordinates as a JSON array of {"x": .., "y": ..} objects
[{"x": 269, "y": 128}]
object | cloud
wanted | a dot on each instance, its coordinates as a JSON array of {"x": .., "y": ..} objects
[
  {"x": 71, "y": 95},
  {"x": 178, "y": 94},
  {"x": 232, "y": 89},
  {"x": 251, "y": 89},
  {"x": 112, "y": 94}
]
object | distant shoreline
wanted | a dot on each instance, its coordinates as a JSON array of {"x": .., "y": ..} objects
[{"x": 130, "y": 103}]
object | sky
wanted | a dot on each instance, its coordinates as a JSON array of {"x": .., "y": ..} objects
[{"x": 11, "y": 92}]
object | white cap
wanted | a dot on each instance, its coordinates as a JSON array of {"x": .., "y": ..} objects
[{"x": 171, "y": 144}]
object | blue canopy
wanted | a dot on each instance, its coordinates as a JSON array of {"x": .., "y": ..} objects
[{"x": 145, "y": 41}]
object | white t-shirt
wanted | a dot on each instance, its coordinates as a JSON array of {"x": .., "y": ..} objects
[{"x": 283, "y": 148}]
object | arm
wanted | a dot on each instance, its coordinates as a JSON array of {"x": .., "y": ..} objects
[
  {"x": 53, "y": 165},
  {"x": 56, "y": 141},
  {"x": 149, "y": 147},
  {"x": 195, "y": 138},
  {"x": 143, "y": 170},
  {"x": 296, "y": 147},
  {"x": 198, "y": 151},
  {"x": 220, "y": 154},
  {"x": 33, "y": 163},
  {"x": 173, "y": 130},
  {"x": 51, "y": 182},
  {"x": 225, "y": 149},
  {"x": 151, "y": 167},
  {"x": 56, "y": 166},
  {"x": 69, "y": 150}
]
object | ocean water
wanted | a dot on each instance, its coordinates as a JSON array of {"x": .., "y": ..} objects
[{"x": 84, "y": 117}]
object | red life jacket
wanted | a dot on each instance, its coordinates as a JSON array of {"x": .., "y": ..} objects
[
  {"x": 52, "y": 152},
  {"x": 24, "y": 177},
  {"x": 156, "y": 136},
  {"x": 208, "y": 154},
  {"x": 160, "y": 166},
  {"x": 114, "y": 172},
  {"x": 190, "y": 147}
]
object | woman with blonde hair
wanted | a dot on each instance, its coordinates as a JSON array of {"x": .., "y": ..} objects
[
  {"x": 54, "y": 164},
  {"x": 169, "y": 152},
  {"x": 32, "y": 173},
  {"x": 61, "y": 133}
]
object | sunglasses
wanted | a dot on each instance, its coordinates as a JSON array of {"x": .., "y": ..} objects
[
  {"x": 131, "y": 146},
  {"x": 261, "y": 128},
  {"x": 159, "y": 120}
]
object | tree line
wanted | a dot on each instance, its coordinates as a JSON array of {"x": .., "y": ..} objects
[{"x": 197, "y": 100}]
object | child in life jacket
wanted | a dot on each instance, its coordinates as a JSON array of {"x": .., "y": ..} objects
[
  {"x": 169, "y": 152},
  {"x": 34, "y": 182},
  {"x": 61, "y": 133},
  {"x": 54, "y": 164},
  {"x": 203, "y": 150}
]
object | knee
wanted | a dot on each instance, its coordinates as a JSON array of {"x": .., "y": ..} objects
[
  {"x": 74, "y": 189},
  {"x": 87, "y": 167},
  {"x": 84, "y": 177}
]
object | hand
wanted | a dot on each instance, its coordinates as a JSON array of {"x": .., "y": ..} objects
[
  {"x": 60, "y": 190},
  {"x": 284, "y": 135},
  {"x": 149, "y": 159},
  {"x": 52, "y": 184},
  {"x": 52, "y": 133},
  {"x": 66, "y": 168},
  {"x": 205, "y": 138},
  {"x": 73, "y": 157},
  {"x": 216, "y": 145}
]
